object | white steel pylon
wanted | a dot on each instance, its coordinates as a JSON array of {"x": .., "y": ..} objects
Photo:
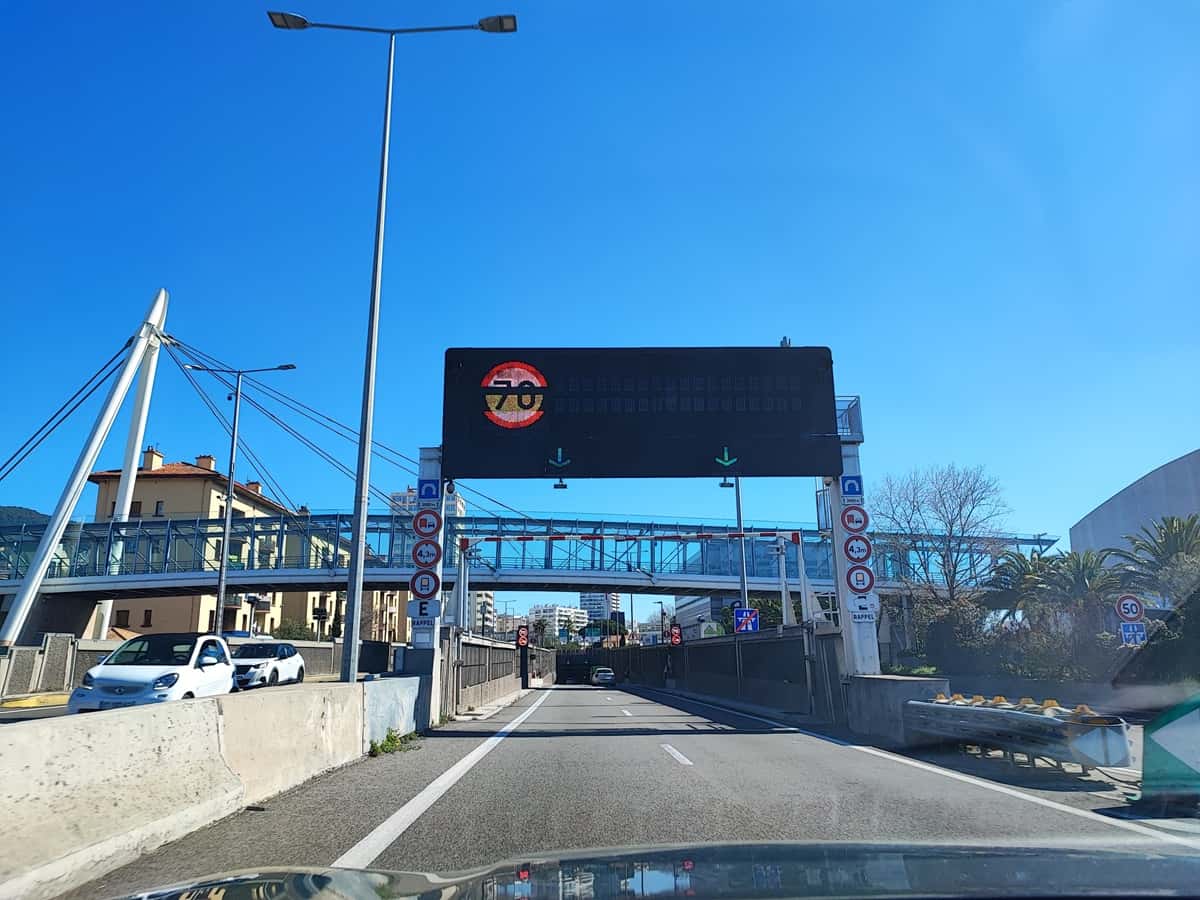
[{"x": 143, "y": 353}]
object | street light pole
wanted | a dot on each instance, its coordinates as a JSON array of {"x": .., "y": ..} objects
[
  {"x": 231, "y": 483},
  {"x": 737, "y": 495},
  {"x": 504, "y": 24}
]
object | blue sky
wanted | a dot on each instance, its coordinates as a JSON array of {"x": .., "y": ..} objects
[{"x": 988, "y": 211}]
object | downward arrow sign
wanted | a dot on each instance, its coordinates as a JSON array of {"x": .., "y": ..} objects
[
  {"x": 725, "y": 460},
  {"x": 558, "y": 460}
]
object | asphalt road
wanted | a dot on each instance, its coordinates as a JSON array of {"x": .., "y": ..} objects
[{"x": 582, "y": 767}]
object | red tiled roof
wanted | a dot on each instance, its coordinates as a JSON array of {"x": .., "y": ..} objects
[{"x": 188, "y": 470}]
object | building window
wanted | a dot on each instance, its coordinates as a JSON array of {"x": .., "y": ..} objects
[
  {"x": 135, "y": 508},
  {"x": 146, "y": 616},
  {"x": 243, "y": 621},
  {"x": 159, "y": 507},
  {"x": 212, "y": 619},
  {"x": 122, "y": 618},
  {"x": 112, "y": 510}
]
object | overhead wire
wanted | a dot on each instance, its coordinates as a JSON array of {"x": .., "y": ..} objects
[
  {"x": 349, "y": 433},
  {"x": 47, "y": 428},
  {"x": 259, "y": 467}
]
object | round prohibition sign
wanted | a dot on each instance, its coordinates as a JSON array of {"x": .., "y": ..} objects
[
  {"x": 857, "y": 548},
  {"x": 425, "y": 585},
  {"x": 427, "y": 523},
  {"x": 860, "y": 579},
  {"x": 427, "y": 553},
  {"x": 1130, "y": 608},
  {"x": 513, "y": 394},
  {"x": 855, "y": 519}
]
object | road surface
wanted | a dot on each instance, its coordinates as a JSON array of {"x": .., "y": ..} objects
[{"x": 580, "y": 767}]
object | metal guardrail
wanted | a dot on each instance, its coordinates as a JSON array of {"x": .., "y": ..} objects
[{"x": 1045, "y": 730}]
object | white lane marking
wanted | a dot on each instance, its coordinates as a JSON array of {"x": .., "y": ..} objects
[
  {"x": 627, "y": 712},
  {"x": 1143, "y": 830},
  {"x": 679, "y": 757},
  {"x": 385, "y": 833},
  {"x": 969, "y": 779}
]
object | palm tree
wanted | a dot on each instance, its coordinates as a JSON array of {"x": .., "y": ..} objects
[
  {"x": 1024, "y": 580},
  {"x": 1084, "y": 585},
  {"x": 539, "y": 630},
  {"x": 1164, "y": 559}
]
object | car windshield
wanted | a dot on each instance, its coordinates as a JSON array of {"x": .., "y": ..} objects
[
  {"x": 635, "y": 423},
  {"x": 153, "y": 650},
  {"x": 256, "y": 651}
]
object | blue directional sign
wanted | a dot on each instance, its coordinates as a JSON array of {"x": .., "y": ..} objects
[
  {"x": 429, "y": 489},
  {"x": 852, "y": 488},
  {"x": 1133, "y": 633},
  {"x": 745, "y": 619}
]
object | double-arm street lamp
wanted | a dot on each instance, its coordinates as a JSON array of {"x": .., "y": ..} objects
[
  {"x": 223, "y": 562},
  {"x": 290, "y": 21}
]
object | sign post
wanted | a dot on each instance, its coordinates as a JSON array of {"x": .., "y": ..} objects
[
  {"x": 425, "y": 609},
  {"x": 854, "y": 583}
]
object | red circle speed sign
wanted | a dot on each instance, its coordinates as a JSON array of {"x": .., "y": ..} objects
[
  {"x": 855, "y": 519},
  {"x": 860, "y": 579},
  {"x": 514, "y": 394},
  {"x": 427, "y": 553},
  {"x": 427, "y": 522},
  {"x": 1130, "y": 608},
  {"x": 425, "y": 585},
  {"x": 857, "y": 548}
]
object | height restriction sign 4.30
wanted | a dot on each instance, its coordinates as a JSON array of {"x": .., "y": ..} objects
[
  {"x": 426, "y": 553},
  {"x": 857, "y": 548}
]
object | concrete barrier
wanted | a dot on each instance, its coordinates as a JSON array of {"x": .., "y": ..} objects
[
  {"x": 86, "y": 794},
  {"x": 875, "y": 703},
  {"x": 83, "y": 795},
  {"x": 389, "y": 703},
  {"x": 276, "y": 739}
]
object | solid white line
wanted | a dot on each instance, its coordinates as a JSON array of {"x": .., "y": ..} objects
[
  {"x": 627, "y": 712},
  {"x": 679, "y": 757},
  {"x": 1032, "y": 798},
  {"x": 969, "y": 779},
  {"x": 381, "y": 837}
]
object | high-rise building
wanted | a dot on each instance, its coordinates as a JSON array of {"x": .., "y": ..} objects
[
  {"x": 599, "y": 605},
  {"x": 481, "y": 611},
  {"x": 572, "y": 618}
]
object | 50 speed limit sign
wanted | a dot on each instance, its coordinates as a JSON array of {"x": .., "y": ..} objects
[{"x": 1130, "y": 608}]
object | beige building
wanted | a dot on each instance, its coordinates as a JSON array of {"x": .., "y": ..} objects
[{"x": 183, "y": 490}]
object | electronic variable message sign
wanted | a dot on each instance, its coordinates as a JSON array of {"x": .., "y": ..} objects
[{"x": 671, "y": 412}]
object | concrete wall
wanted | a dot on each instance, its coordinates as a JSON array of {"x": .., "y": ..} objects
[
  {"x": 875, "y": 703},
  {"x": 83, "y": 795}
]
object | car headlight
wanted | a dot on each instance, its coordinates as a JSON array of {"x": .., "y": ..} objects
[
  {"x": 88, "y": 680},
  {"x": 165, "y": 681}
]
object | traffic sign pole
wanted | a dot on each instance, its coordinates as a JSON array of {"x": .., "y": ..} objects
[{"x": 860, "y": 641}]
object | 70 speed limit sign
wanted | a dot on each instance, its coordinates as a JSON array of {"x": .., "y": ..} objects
[{"x": 1130, "y": 608}]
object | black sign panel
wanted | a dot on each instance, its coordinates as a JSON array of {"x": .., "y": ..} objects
[{"x": 646, "y": 412}]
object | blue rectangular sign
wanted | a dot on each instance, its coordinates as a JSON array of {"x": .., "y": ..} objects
[
  {"x": 1133, "y": 633},
  {"x": 745, "y": 619},
  {"x": 429, "y": 489}
]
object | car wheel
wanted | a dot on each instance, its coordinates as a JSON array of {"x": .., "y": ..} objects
[
  {"x": 274, "y": 677},
  {"x": 300, "y": 675}
]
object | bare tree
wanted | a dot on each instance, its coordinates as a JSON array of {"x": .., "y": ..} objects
[{"x": 942, "y": 524}]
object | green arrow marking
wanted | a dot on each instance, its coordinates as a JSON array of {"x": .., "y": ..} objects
[
  {"x": 725, "y": 460},
  {"x": 558, "y": 460}
]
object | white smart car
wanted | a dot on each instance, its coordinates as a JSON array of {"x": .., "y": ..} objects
[
  {"x": 156, "y": 668},
  {"x": 267, "y": 662}
]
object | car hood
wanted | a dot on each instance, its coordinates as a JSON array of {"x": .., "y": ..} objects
[
  {"x": 133, "y": 674},
  {"x": 746, "y": 870}
]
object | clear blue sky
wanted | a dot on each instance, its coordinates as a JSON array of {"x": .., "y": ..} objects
[{"x": 988, "y": 211}]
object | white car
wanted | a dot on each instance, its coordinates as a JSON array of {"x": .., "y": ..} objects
[
  {"x": 156, "y": 668},
  {"x": 267, "y": 662}
]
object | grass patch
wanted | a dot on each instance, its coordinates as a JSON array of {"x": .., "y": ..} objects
[{"x": 394, "y": 742}]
